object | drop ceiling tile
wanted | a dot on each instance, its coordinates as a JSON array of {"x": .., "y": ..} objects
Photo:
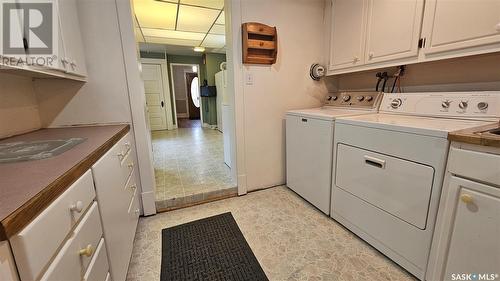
[
  {"x": 221, "y": 19},
  {"x": 195, "y": 19},
  {"x": 155, "y": 14},
  {"x": 172, "y": 41},
  {"x": 214, "y": 41},
  {"x": 173, "y": 34},
  {"x": 218, "y": 29},
  {"x": 215, "y": 4}
]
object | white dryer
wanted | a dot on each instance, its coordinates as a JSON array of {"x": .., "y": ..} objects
[
  {"x": 389, "y": 168},
  {"x": 309, "y": 143}
]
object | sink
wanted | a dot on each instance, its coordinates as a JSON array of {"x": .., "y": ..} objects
[{"x": 35, "y": 150}]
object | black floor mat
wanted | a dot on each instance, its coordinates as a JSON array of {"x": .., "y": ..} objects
[{"x": 208, "y": 249}]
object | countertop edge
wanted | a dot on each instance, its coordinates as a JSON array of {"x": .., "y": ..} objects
[
  {"x": 474, "y": 136},
  {"x": 23, "y": 215}
]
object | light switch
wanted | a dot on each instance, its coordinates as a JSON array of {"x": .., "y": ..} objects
[{"x": 249, "y": 78}]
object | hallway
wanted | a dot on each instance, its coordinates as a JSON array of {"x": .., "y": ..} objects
[{"x": 189, "y": 167}]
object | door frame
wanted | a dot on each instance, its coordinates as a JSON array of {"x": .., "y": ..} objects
[
  {"x": 163, "y": 63},
  {"x": 173, "y": 88}
]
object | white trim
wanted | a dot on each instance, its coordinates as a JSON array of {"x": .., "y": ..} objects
[
  {"x": 236, "y": 101},
  {"x": 135, "y": 86},
  {"x": 173, "y": 88},
  {"x": 166, "y": 88}
]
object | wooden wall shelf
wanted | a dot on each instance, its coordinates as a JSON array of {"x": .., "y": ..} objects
[{"x": 260, "y": 43}]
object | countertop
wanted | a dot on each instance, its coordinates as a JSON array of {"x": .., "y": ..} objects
[
  {"x": 477, "y": 135},
  {"x": 27, "y": 188}
]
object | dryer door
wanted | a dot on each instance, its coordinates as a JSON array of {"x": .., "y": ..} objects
[{"x": 396, "y": 186}]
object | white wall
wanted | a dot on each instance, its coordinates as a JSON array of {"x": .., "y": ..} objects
[
  {"x": 18, "y": 105},
  {"x": 283, "y": 86}
]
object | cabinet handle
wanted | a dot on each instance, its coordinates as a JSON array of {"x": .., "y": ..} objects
[
  {"x": 133, "y": 187},
  {"x": 137, "y": 211},
  {"x": 87, "y": 251},
  {"x": 355, "y": 58},
  {"x": 76, "y": 207},
  {"x": 370, "y": 55},
  {"x": 130, "y": 165},
  {"x": 372, "y": 161},
  {"x": 466, "y": 198},
  {"x": 120, "y": 155}
]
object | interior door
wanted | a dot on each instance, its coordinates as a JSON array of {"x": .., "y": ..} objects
[
  {"x": 347, "y": 34},
  {"x": 393, "y": 29},
  {"x": 153, "y": 86},
  {"x": 456, "y": 25},
  {"x": 193, "y": 95}
]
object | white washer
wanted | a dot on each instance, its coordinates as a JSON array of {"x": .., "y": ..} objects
[
  {"x": 309, "y": 143},
  {"x": 389, "y": 168}
]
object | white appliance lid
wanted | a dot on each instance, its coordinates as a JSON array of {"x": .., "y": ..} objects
[
  {"x": 326, "y": 112},
  {"x": 429, "y": 126}
]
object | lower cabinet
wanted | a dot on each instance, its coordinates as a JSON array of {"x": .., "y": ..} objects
[
  {"x": 467, "y": 234},
  {"x": 115, "y": 183}
]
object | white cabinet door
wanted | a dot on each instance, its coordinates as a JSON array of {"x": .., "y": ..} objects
[
  {"x": 74, "y": 58},
  {"x": 466, "y": 239},
  {"x": 393, "y": 29},
  {"x": 465, "y": 27},
  {"x": 347, "y": 33}
]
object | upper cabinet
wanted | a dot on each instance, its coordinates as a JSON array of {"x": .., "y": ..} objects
[
  {"x": 366, "y": 32},
  {"x": 74, "y": 58},
  {"x": 458, "y": 28},
  {"x": 393, "y": 29},
  {"x": 66, "y": 60},
  {"x": 370, "y": 34},
  {"x": 347, "y": 37}
]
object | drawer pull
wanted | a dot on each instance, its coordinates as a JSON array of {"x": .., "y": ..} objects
[
  {"x": 121, "y": 155},
  {"x": 130, "y": 165},
  {"x": 76, "y": 207},
  {"x": 372, "y": 161},
  {"x": 87, "y": 251},
  {"x": 133, "y": 187},
  {"x": 304, "y": 120},
  {"x": 466, "y": 198}
]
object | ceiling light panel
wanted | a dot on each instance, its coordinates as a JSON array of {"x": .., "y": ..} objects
[
  {"x": 221, "y": 19},
  {"x": 152, "y": 32},
  {"x": 214, "y": 41},
  {"x": 218, "y": 29},
  {"x": 172, "y": 41},
  {"x": 214, "y": 4},
  {"x": 155, "y": 14},
  {"x": 195, "y": 19}
]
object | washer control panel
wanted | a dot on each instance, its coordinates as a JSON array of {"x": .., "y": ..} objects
[
  {"x": 365, "y": 100},
  {"x": 445, "y": 104}
]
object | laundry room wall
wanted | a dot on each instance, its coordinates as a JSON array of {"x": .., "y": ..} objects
[
  {"x": 18, "y": 105},
  {"x": 280, "y": 87},
  {"x": 477, "y": 73}
]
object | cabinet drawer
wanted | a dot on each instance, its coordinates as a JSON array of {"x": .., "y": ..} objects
[
  {"x": 31, "y": 251},
  {"x": 475, "y": 165},
  {"x": 397, "y": 186},
  {"x": 98, "y": 267},
  {"x": 72, "y": 260},
  {"x": 116, "y": 162}
]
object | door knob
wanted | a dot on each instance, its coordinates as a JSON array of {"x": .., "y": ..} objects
[
  {"x": 87, "y": 251},
  {"x": 466, "y": 198}
]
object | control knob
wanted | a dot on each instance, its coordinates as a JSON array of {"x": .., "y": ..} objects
[
  {"x": 360, "y": 98},
  {"x": 369, "y": 98},
  {"x": 329, "y": 98},
  {"x": 334, "y": 98},
  {"x": 346, "y": 98},
  {"x": 446, "y": 104},
  {"x": 395, "y": 103},
  {"x": 482, "y": 105},
  {"x": 463, "y": 104}
]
